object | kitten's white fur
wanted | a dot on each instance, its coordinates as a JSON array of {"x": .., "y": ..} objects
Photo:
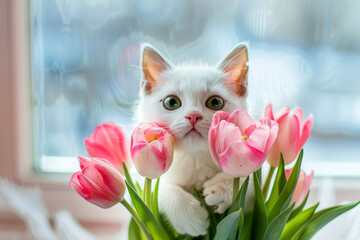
[{"x": 192, "y": 165}]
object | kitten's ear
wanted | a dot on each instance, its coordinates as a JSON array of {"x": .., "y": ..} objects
[
  {"x": 235, "y": 65},
  {"x": 153, "y": 65}
]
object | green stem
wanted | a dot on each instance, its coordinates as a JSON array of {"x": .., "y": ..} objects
[
  {"x": 136, "y": 218},
  {"x": 147, "y": 190},
  {"x": 268, "y": 180},
  {"x": 236, "y": 185}
]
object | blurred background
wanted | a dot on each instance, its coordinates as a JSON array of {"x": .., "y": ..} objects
[
  {"x": 85, "y": 66},
  {"x": 67, "y": 66}
]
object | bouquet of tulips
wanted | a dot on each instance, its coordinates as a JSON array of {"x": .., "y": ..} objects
[{"x": 239, "y": 145}]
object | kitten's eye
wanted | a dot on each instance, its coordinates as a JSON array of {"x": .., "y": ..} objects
[
  {"x": 215, "y": 103},
  {"x": 171, "y": 103}
]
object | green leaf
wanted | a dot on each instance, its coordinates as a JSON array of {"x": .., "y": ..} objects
[
  {"x": 279, "y": 183},
  {"x": 128, "y": 177},
  {"x": 146, "y": 216},
  {"x": 228, "y": 227},
  {"x": 240, "y": 198},
  {"x": 297, "y": 223},
  {"x": 138, "y": 189},
  {"x": 246, "y": 229},
  {"x": 155, "y": 205},
  {"x": 167, "y": 227},
  {"x": 259, "y": 174},
  {"x": 206, "y": 237},
  {"x": 241, "y": 224},
  {"x": 275, "y": 228},
  {"x": 322, "y": 218},
  {"x": 187, "y": 237},
  {"x": 260, "y": 220},
  {"x": 212, "y": 218},
  {"x": 285, "y": 196},
  {"x": 297, "y": 210},
  {"x": 135, "y": 232}
]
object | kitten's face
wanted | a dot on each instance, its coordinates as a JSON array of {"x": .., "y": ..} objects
[{"x": 185, "y": 98}]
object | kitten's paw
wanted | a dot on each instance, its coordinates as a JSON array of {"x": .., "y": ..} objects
[
  {"x": 195, "y": 220},
  {"x": 184, "y": 212},
  {"x": 218, "y": 192}
]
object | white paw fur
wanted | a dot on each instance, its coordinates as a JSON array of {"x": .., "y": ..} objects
[
  {"x": 183, "y": 211},
  {"x": 218, "y": 192}
]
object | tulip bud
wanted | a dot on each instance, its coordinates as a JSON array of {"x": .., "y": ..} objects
[
  {"x": 151, "y": 149},
  {"x": 302, "y": 186},
  {"x": 293, "y": 133},
  {"x": 98, "y": 182},
  {"x": 238, "y": 144},
  {"x": 109, "y": 142}
]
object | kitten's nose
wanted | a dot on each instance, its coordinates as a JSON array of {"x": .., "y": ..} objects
[{"x": 193, "y": 117}]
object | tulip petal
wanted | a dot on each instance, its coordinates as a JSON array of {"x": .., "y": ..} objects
[
  {"x": 147, "y": 162},
  {"x": 229, "y": 133},
  {"x": 288, "y": 137},
  {"x": 243, "y": 121},
  {"x": 299, "y": 113},
  {"x": 268, "y": 112},
  {"x": 75, "y": 184},
  {"x": 84, "y": 161},
  {"x": 304, "y": 133},
  {"x": 112, "y": 179},
  {"x": 239, "y": 144},
  {"x": 214, "y": 133},
  {"x": 98, "y": 182},
  {"x": 91, "y": 177},
  {"x": 291, "y": 137},
  {"x": 91, "y": 194},
  {"x": 107, "y": 134},
  {"x": 259, "y": 137},
  {"x": 274, "y": 155},
  {"x": 288, "y": 173},
  {"x": 302, "y": 186},
  {"x": 109, "y": 141},
  {"x": 308, "y": 179},
  {"x": 96, "y": 150},
  {"x": 274, "y": 129},
  {"x": 282, "y": 114},
  {"x": 299, "y": 188},
  {"x": 239, "y": 160},
  {"x": 151, "y": 149},
  {"x": 159, "y": 150}
]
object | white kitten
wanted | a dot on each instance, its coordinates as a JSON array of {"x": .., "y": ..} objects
[{"x": 185, "y": 98}]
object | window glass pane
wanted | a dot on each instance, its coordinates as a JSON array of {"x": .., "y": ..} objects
[{"x": 85, "y": 64}]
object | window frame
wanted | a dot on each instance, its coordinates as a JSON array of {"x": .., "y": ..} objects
[
  {"x": 19, "y": 167},
  {"x": 55, "y": 186}
]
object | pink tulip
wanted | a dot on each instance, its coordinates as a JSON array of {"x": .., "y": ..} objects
[
  {"x": 239, "y": 144},
  {"x": 293, "y": 133},
  {"x": 302, "y": 186},
  {"x": 151, "y": 149},
  {"x": 109, "y": 142},
  {"x": 98, "y": 182}
]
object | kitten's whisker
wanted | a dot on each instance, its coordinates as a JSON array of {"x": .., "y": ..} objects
[
  {"x": 223, "y": 68},
  {"x": 244, "y": 84},
  {"x": 147, "y": 68},
  {"x": 168, "y": 54},
  {"x": 221, "y": 75},
  {"x": 160, "y": 63},
  {"x": 135, "y": 66}
]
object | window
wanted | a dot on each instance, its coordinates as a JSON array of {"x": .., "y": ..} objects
[{"x": 85, "y": 66}]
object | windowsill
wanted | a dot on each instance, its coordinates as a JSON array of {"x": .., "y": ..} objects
[{"x": 333, "y": 157}]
